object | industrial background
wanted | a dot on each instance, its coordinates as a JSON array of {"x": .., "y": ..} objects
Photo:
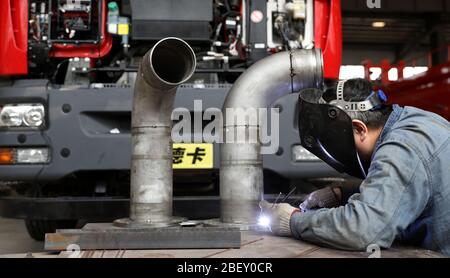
[{"x": 68, "y": 70}]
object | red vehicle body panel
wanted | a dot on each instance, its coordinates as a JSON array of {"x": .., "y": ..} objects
[
  {"x": 328, "y": 35},
  {"x": 429, "y": 91},
  {"x": 13, "y": 37}
]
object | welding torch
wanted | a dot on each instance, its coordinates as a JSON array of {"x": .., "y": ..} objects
[{"x": 263, "y": 220}]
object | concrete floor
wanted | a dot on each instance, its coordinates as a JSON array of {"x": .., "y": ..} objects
[{"x": 14, "y": 238}]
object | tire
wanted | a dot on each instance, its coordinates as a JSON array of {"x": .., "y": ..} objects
[{"x": 38, "y": 228}]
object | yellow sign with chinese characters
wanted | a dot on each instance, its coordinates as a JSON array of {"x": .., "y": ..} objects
[
  {"x": 123, "y": 29},
  {"x": 193, "y": 156}
]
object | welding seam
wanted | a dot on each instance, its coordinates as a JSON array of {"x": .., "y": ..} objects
[{"x": 292, "y": 71}]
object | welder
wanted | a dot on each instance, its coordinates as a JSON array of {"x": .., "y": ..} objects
[{"x": 402, "y": 154}]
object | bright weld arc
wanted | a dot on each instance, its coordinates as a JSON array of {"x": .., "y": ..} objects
[{"x": 264, "y": 221}]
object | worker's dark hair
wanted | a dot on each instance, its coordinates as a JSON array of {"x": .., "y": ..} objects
[{"x": 359, "y": 90}]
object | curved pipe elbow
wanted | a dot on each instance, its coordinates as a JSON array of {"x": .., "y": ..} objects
[
  {"x": 168, "y": 64},
  {"x": 275, "y": 76}
]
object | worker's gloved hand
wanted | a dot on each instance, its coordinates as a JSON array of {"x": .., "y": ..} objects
[
  {"x": 279, "y": 217},
  {"x": 329, "y": 197}
]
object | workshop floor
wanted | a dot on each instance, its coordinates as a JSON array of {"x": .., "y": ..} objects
[{"x": 14, "y": 238}]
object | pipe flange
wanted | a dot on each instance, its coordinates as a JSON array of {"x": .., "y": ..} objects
[{"x": 130, "y": 223}]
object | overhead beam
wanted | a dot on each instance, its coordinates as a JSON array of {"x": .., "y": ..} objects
[
  {"x": 370, "y": 45},
  {"x": 439, "y": 46},
  {"x": 412, "y": 44}
]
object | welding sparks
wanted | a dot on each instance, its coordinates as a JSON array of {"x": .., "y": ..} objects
[{"x": 264, "y": 221}]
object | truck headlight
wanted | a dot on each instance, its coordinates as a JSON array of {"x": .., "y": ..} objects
[
  {"x": 22, "y": 115},
  {"x": 9, "y": 116},
  {"x": 300, "y": 154}
]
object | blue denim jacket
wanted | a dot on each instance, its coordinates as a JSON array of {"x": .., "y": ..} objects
[{"x": 405, "y": 196}]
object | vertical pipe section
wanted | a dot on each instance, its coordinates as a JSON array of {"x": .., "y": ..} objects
[
  {"x": 308, "y": 42},
  {"x": 241, "y": 170},
  {"x": 168, "y": 64}
]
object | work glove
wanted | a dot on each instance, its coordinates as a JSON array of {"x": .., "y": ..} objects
[
  {"x": 279, "y": 217},
  {"x": 329, "y": 197}
]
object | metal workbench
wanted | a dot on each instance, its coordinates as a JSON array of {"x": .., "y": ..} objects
[{"x": 256, "y": 245}]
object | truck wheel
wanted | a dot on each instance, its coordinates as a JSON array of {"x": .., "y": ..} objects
[{"x": 38, "y": 228}]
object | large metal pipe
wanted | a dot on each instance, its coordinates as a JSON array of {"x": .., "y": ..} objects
[
  {"x": 168, "y": 64},
  {"x": 241, "y": 171}
]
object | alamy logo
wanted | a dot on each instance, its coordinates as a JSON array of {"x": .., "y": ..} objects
[
  {"x": 374, "y": 4},
  {"x": 73, "y": 251},
  {"x": 374, "y": 250},
  {"x": 235, "y": 125}
]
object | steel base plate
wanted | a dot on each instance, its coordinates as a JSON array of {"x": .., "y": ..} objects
[{"x": 110, "y": 237}]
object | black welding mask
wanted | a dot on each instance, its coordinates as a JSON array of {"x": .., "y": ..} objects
[{"x": 326, "y": 129}]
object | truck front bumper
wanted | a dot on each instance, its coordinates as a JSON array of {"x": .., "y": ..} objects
[
  {"x": 88, "y": 129},
  {"x": 108, "y": 209}
]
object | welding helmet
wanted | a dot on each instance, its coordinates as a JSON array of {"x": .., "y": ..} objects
[{"x": 326, "y": 128}]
